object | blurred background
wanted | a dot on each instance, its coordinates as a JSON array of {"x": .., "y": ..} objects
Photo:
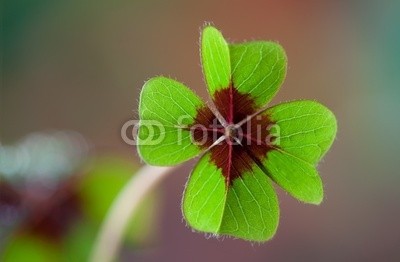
[{"x": 71, "y": 74}]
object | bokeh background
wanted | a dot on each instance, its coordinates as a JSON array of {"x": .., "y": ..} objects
[{"x": 79, "y": 65}]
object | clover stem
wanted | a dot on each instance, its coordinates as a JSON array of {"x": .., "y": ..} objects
[{"x": 110, "y": 236}]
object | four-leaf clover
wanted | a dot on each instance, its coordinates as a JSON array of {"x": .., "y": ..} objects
[{"x": 245, "y": 146}]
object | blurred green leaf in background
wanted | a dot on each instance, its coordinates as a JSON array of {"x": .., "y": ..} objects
[{"x": 57, "y": 218}]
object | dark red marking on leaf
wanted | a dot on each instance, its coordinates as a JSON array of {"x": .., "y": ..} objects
[
  {"x": 233, "y": 106},
  {"x": 9, "y": 196},
  {"x": 40, "y": 211},
  {"x": 53, "y": 216},
  {"x": 10, "y": 204},
  {"x": 254, "y": 136}
]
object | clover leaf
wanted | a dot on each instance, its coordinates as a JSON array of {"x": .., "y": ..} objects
[{"x": 244, "y": 145}]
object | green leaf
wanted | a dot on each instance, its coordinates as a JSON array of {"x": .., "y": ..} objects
[
  {"x": 104, "y": 178},
  {"x": 258, "y": 69},
  {"x": 78, "y": 242},
  {"x": 299, "y": 178},
  {"x": 23, "y": 247},
  {"x": 215, "y": 59},
  {"x": 246, "y": 209},
  {"x": 306, "y": 128},
  {"x": 166, "y": 107}
]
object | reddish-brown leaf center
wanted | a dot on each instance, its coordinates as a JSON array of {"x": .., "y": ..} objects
[{"x": 243, "y": 146}]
